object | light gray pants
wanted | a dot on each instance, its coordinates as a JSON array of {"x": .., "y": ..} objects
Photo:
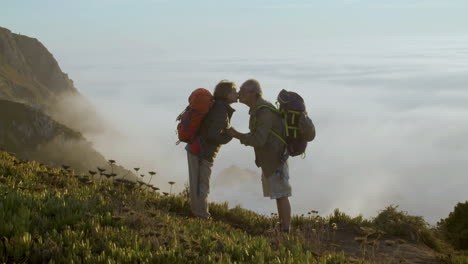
[{"x": 199, "y": 181}]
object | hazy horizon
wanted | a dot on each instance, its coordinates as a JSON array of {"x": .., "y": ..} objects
[
  {"x": 389, "y": 99},
  {"x": 389, "y": 124}
]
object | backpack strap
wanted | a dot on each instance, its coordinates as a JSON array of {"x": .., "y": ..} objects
[
  {"x": 279, "y": 137},
  {"x": 293, "y": 121},
  {"x": 272, "y": 108}
]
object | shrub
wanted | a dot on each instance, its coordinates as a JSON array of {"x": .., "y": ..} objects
[
  {"x": 398, "y": 223},
  {"x": 343, "y": 219},
  {"x": 455, "y": 226}
]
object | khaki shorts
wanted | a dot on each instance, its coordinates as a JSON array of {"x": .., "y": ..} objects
[{"x": 277, "y": 185}]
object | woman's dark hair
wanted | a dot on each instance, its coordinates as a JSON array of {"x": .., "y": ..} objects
[{"x": 223, "y": 89}]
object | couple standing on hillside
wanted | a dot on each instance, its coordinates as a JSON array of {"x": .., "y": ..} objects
[{"x": 266, "y": 130}]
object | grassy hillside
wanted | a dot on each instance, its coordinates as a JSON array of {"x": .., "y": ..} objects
[{"x": 54, "y": 215}]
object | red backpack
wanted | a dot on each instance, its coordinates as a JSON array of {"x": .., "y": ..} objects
[{"x": 200, "y": 102}]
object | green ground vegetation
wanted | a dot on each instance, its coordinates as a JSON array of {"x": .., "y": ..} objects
[{"x": 53, "y": 215}]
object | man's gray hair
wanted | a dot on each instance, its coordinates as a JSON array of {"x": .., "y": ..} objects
[{"x": 252, "y": 86}]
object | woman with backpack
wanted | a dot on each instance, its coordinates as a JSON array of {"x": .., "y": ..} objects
[{"x": 202, "y": 151}]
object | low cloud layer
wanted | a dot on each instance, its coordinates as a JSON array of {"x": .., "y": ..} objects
[{"x": 391, "y": 123}]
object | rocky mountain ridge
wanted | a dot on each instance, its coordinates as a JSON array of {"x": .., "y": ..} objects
[
  {"x": 29, "y": 74},
  {"x": 42, "y": 115}
]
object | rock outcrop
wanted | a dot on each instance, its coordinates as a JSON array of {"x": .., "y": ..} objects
[
  {"x": 30, "y": 134},
  {"x": 29, "y": 74},
  {"x": 42, "y": 115}
]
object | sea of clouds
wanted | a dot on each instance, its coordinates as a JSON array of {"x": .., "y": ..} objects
[{"x": 391, "y": 118}]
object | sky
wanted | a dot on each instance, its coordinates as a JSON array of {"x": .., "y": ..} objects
[{"x": 385, "y": 82}]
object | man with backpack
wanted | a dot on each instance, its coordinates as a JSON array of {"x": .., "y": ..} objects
[{"x": 266, "y": 136}]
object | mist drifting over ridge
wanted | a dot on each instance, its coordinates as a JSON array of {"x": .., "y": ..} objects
[{"x": 390, "y": 117}]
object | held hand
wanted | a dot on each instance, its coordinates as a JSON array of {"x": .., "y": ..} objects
[{"x": 233, "y": 132}]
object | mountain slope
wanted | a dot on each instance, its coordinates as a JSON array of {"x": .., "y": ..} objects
[
  {"x": 30, "y": 74},
  {"x": 42, "y": 115},
  {"x": 32, "y": 135}
]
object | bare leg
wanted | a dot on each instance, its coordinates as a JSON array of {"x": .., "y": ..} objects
[{"x": 284, "y": 212}]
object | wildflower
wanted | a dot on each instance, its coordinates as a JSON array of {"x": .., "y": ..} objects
[
  {"x": 111, "y": 161},
  {"x": 136, "y": 169},
  {"x": 171, "y": 183},
  {"x": 165, "y": 193},
  {"x": 152, "y": 173},
  {"x": 101, "y": 169},
  {"x": 92, "y": 172}
]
